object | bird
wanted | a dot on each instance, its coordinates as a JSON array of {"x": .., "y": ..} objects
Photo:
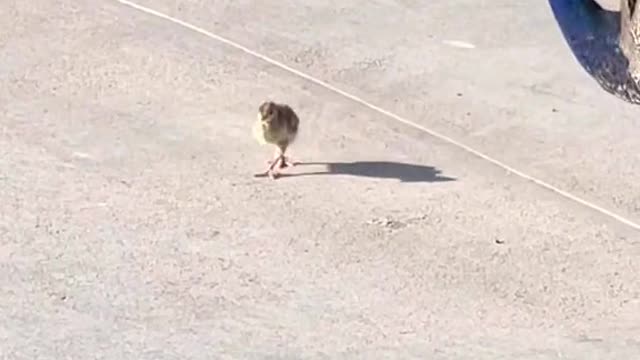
[{"x": 277, "y": 124}]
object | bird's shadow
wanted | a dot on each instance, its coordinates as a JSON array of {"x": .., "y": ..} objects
[
  {"x": 592, "y": 35},
  {"x": 374, "y": 169}
]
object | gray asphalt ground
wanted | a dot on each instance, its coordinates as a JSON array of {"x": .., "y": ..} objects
[{"x": 132, "y": 226}]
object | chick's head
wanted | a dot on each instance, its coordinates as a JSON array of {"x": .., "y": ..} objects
[{"x": 267, "y": 111}]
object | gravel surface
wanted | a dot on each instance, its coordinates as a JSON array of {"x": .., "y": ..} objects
[{"x": 132, "y": 226}]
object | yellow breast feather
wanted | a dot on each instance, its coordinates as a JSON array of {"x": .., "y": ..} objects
[{"x": 258, "y": 132}]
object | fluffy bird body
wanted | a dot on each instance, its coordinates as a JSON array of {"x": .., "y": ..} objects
[
  {"x": 274, "y": 134},
  {"x": 277, "y": 124}
]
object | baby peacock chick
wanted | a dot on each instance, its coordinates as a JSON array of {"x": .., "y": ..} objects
[{"x": 278, "y": 125}]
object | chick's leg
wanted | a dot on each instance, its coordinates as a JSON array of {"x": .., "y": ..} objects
[
  {"x": 286, "y": 160},
  {"x": 279, "y": 156},
  {"x": 274, "y": 167},
  {"x": 275, "y": 164}
]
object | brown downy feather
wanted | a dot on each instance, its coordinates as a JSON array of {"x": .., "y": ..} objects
[{"x": 277, "y": 124}]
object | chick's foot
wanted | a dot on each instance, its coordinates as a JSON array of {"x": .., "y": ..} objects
[{"x": 285, "y": 162}]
